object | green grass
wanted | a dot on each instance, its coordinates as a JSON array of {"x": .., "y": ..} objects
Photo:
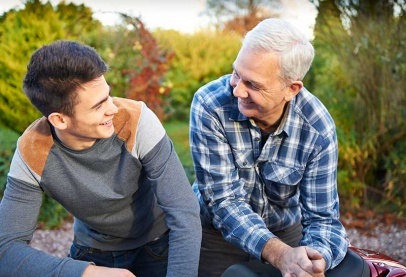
[{"x": 179, "y": 133}]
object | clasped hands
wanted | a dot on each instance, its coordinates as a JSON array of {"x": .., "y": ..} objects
[{"x": 300, "y": 261}]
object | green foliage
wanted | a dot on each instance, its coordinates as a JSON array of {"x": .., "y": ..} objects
[
  {"x": 138, "y": 64},
  {"x": 394, "y": 184},
  {"x": 21, "y": 33},
  {"x": 8, "y": 140},
  {"x": 199, "y": 58},
  {"x": 113, "y": 45},
  {"x": 350, "y": 191},
  {"x": 241, "y": 15},
  {"x": 52, "y": 214},
  {"x": 358, "y": 74},
  {"x": 179, "y": 133},
  {"x": 77, "y": 20}
]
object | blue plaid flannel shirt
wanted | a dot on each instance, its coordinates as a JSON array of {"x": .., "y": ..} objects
[{"x": 247, "y": 190}]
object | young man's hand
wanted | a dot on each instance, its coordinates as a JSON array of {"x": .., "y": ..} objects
[
  {"x": 101, "y": 271},
  {"x": 299, "y": 261}
]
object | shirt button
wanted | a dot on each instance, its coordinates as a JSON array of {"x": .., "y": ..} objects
[
  {"x": 257, "y": 139},
  {"x": 244, "y": 163}
]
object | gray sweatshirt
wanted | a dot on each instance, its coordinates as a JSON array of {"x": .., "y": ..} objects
[{"x": 123, "y": 192}]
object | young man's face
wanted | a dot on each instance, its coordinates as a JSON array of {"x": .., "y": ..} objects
[{"x": 92, "y": 116}]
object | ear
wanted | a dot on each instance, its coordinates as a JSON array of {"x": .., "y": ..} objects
[
  {"x": 293, "y": 90},
  {"x": 58, "y": 120}
]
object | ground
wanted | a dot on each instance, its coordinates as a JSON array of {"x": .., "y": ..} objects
[{"x": 382, "y": 233}]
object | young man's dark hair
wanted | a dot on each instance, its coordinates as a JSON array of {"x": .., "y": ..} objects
[{"x": 53, "y": 76}]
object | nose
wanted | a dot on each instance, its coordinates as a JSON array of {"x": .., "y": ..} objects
[
  {"x": 239, "y": 90},
  {"x": 112, "y": 108}
]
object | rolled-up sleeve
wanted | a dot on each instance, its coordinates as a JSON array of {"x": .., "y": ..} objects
[{"x": 320, "y": 204}]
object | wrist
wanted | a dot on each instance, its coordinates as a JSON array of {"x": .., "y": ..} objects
[{"x": 273, "y": 251}]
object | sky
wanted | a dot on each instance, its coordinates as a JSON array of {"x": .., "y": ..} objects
[{"x": 182, "y": 15}]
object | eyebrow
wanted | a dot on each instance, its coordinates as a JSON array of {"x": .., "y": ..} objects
[
  {"x": 252, "y": 82},
  {"x": 101, "y": 101}
]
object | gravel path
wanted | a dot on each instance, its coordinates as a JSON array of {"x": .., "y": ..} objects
[{"x": 380, "y": 234}]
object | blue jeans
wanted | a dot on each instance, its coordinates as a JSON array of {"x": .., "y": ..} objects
[{"x": 149, "y": 260}]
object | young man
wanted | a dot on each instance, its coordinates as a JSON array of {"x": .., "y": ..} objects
[
  {"x": 109, "y": 162},
  {"x": 265, "y": 156}
]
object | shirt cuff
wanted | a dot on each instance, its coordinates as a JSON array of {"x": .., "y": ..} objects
[{"x": 261, "y": 244}]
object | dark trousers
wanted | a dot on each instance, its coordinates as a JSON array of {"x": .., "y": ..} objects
[
  {"x": 220, "y": 258},
  {"x": 149, "y": 260},
  {"x": 216, "y": 254},
  {"x": 352, "y": 266}
]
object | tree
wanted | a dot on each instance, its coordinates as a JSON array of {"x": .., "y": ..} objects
[
  {"x": 21, "y": 33},
  {"x": 369, "y": 40},
  {"x": 199, "y": 58},
  {"x": 138, "y": 64},
  {"x": 147, "y": 80},
  {"x": 241, "y": 15},
  {"x": 77, "y": 19}
]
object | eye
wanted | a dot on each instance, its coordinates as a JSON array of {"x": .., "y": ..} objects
[
  {"x": 236, "y": 74},
  {"x": 252, "y": 86}
]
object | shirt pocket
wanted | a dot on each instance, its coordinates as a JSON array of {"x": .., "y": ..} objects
[
  {"x": 282, "y": 184},
  {"x": 243, "y": 158}
]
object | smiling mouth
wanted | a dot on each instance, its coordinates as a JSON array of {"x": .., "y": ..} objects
[
  {"x": 246, "y": 102},
  {"x": 106, "y": 123}
]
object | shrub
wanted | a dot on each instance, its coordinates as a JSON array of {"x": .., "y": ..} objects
[
  {"x": 8, "y": 140},
  {"x": 199, "y": 58}
]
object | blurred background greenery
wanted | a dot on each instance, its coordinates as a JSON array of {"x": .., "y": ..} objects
[{"x": 358, "y": 73}]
